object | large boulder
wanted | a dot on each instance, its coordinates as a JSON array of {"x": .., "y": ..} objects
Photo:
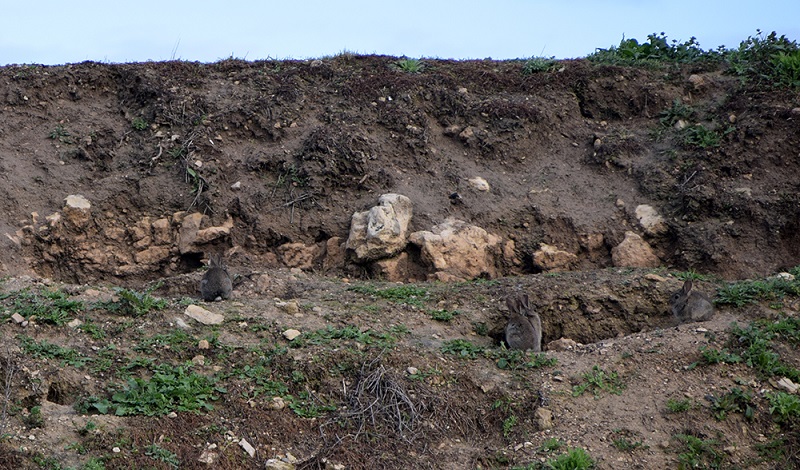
[
  {"x": 382, "y": 231},
  {"x": 650, "y": 220},
  {"x": 458, "y": 251},
  {"x": 634, "y": 252}
]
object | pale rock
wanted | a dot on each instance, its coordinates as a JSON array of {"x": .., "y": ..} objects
[
  {"x": 207, "y": 457},
  {"x": 650, "y": 220},
  {"x": 114, "y": 233},
  {"x": 75, "y": 323},
  {"x": 544, "y": 418},
  {"x": 654, "y": 278},
  {"x": 458, "y": 251},
  {"x": 77, "y": 210},
  {"x": 277, "y": 464},
  {"x": 412, "y": 370},
  {"x": 786, "y": 384},
  {"x": 291, "y": 334},
  {"x": 236, "y": 185},
  {"x": 510, "y": 253},
  {"x": 203, "y": 344},
  {"x": 593, "y": 241},
  {"x": 172, "y": 415},
  {"x": 550, "y": 258},
  {"x": 697, "y": 81},
  {"x": 276, "y": 403},
  {"x": 199, "y": 360},
  {"x": 561, "y": 344},
  {"x": 212, "y": 233},
  {"x": 152, "y": 255},
  {"x": 785, "y": 276},
  {"x": 190, "y": 225},
  {"x": 392, "y": 269},
  {"x": 468, "y": 134},
  {"x": 291, "y": 307},
  {"x": 203, "y": 316},
  {"x": 162, "y": 232},
  {"x": 478, "y": 184},
  {"x": 17, "y": 318},
  {"x": 297, "y": 255},
  {"x": 634, "y": 252},
  {"x": 382, "y": 231},
  {"x": 116, "y": 450},
  {"x": 251, "y": 451}
]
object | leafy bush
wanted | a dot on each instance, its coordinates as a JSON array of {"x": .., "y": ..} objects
[
  {"x": 136, "y": 303},
  {"x": 766, "y": 59},
  {"x": 597, "y": 379},
  {"x": 574, "y": 459},
  {"x": 538, "y": 64},
  {"x": 657, "y": 50}
]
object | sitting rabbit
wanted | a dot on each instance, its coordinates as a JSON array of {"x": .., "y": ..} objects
[
  {"x": 688, "y": 304},
  {"x": 216, "y": 283},
  {"x": 524, "y": 327}
]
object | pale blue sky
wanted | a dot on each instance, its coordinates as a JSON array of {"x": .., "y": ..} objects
[{"x": 57, "y": 32}]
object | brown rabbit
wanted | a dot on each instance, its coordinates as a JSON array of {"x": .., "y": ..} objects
[
  {"x": 688, "y": 304},
  {"x": 216, "y": 283},
  {"x": 524, "y": 327}
]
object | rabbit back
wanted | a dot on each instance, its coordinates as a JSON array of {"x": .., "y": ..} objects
[
  {"x": 216, "y": 282},
  {"x": 524, "y": 327}
]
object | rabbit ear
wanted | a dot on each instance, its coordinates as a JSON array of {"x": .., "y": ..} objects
[
  {"x": 511, "y": 302},
  {"x": 687, "y": 286},
  {"x": 523, "y": 301}
]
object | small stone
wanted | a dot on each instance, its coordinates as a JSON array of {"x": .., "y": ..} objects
[
  {"x": 199, "y": 360},
  {"x": 620, "y": 203},
  {"x": 203, "y": 344},
  {"x": 204, "y": 316},
  {"x": 654, "y": 277},
  {"x": 277, "y": 403},
  {"x": 207, "y": 457},
  {"x": 277, "y": 464},
  {"x": 75, "y": 323},
  {"x": 236, "y": 185},
  {"x": 291, "y": 334},
  {"x": 785, "y": 276},
  {"x": 412, "y": 370},
  {"x": 562, "y": 344},
  {"x": 247, "y": 448},
  {"x": 116, "y": 450},
  {"x": 172, "y": 415},
  {"x": 479, "y": 184},
  {"x": 544, "y": 418},
  {"x": 701, "y": 330},
  {"x": 17, "y": 318}
]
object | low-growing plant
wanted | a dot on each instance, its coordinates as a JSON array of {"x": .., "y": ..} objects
[
  {"x": 538, "y": 64},
  {"x": 760, "y": 59},
  {"x": 46, "y": 350},
  {"x": 409, "y": 65},
  {"x": 700, "y": 137},
  {"x": 139, "y": 124},
  {"x": 596, "y": 380},
  {"x": 48, "y": 306},
  {"x": 698, "y": 453},
  {"x": 462, "y": 348},
  {"x": 408, "y": 294},
  {"x": 573, "y": 459},
  {"x": 307, "y": 405},
  {"x": 516, "y": 359},
  {"x": 136, "y": 303},
  {"x": 171, "y": 388},
  {"x": 679, "y": 406},
  {"x": 743, "y": 292},
  {"x": 678, "y": 111},
  {"x": 626, "y": 445},
  {"x": 61, "y": 134},
  {"x": 329, "y": 334},
  {"x": 784, "y": 407},
  {"x": 716, "y": 356},
  {"x": 443, "y": 315},
  {"x": 656, "y": 51},
  {"x": 735, "y": 401},
  {"x": 161, "y": 454}
]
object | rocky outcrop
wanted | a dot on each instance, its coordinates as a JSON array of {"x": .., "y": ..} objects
[
  {"x": 382, "y": 231},
  {"x": 650, "y": 220},
  {"x": 457, "y": 251},
  {"x": 550, "y": 258}
]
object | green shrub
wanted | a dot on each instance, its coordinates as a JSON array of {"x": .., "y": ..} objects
[{"x": 538, "y": 64}]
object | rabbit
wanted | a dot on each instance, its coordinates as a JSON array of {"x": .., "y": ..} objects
[
  {"x": 524, "y": 327},
  {"x": 216, "y": 283},
  {"x": 688, "y": 304}
]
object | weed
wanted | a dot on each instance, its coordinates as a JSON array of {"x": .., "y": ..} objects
[
  {"x": 409, "y": 65},
  {"x": 34, "y": 418},
  {"x": 597, "y": 379},
  {"x": 677, "y": 112},
  {"x": 171, "y": 388},
  {"x": 538, "y": 64},
  {"x": 136, "y": 303},
  {"x": 61, "y": 134},
  {"x": 307, "y": 405},
  {"x": 92, "y": 329},
  {"x": 139, "y": 124},
  {"x": 53, "y": 307},
  {"x": 691, "y": 275},
  {"x": 773, "y": 450},
  {"x": 737, "y": 400},
  {"x": 443, "y": 315},
  {"x": 46, "y": 350},
  {"x": 480, "y": 328},
  {"x": 716, "y": 356},
  {"x": 700, "y": 137},
  {"x": 462, "y": 348},
  {"x": 330, "y": 334},
  {"x": 626, "y": 445},
  {"x": 679, "y": 406},
  {"x": 754, "y": 342},
  {"x": 744, "y": 292},
  {"x": 176, "y": 340},
  {"x": 410, "y": 295},
  {"x": 574, "y": 459},
  {"x": 765, "y": 59},
  {"x": 161, "y": 454},
  {"x": 508, "y": 425},
  {"x": 655, "y": 52},
  {"x": 784, "y": 407},
  {"x": 698, "y": 453},
  {"x": 550, "y": 445},
  {"x": 516, "y": 359}
]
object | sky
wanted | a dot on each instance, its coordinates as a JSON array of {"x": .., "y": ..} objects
[{"x": 59, "y": 32}]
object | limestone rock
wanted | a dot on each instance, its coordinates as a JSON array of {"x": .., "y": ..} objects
[
  {"x": 550, "y": 258},
  {"x": 334, "y": 254},
  {"x": 561, "y": 344},
  {"x": 650, "y": 220},
  {"x": 77, "y": 210},
  {"x": 204, "y": 316},
  {"x": 297, "y": 255},
  {"x": 458, "y": 251},
  {"x": 212, "y": 233},
  {"x": 544, "y": 418},
  {"x": 382, "y": 231},
  {"x": 162, "y": 233},
  {"x": 187, "y": 234},
  {"x": 478, "y": 184},
  {"x": 634, "y": 252},
  {"x": 291, "y": 334},
  {"x": 152, "y": 255},
  {"x": 251, "y": 451}
]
